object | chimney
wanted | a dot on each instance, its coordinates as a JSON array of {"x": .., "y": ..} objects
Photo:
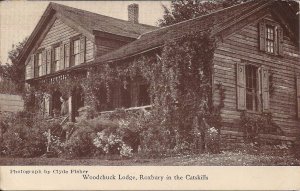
[{"x": 133, "y": 13}]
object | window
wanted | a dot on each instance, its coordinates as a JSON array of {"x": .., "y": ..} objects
[
  {"x": 39, "y": 69},
  {"x": 251, "y": 88},
  {"x": 75, "y": 52},
  {"x": 56, "y": 58},
  {"x": 270, "y": 39},
  {"x": 66, "y": 55}
]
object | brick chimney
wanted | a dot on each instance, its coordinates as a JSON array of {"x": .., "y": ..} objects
[{"x": 133, "y": 13}]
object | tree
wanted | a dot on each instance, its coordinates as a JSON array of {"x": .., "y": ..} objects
[
  {"x": 15, "y": 71},
  {"x": 187, "y": 9}
]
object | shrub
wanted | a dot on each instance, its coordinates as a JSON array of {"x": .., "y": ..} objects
[
  {"x": 253, "y": 125},
  {"x": 24, "y": 141},
  {"x": 26, "y": 134},
  {"x": 80, "y": 143},
  {"x": 81, "y": 139},
  {"x": 212, "y": 140}
]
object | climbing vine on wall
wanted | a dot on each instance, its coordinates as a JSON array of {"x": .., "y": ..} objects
[{"x": 180, "y": 86}]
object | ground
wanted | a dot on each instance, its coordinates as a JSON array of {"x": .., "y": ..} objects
[{"x": 223, "y": 159}]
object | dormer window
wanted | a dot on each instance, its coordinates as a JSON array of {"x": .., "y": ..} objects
[{"x": 270, "y": 39}]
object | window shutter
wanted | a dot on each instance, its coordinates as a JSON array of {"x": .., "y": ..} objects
[
  {"x": 72, "y": 61},
  {"x": 62, "y": 57},
  {"x": 48, "y": 70},
  {"x": 280, "y": 41},
  {"x": 44, "y": 63},
  {"x": 51, "y": 61},
  {"x": 298, "y": 96},
  {"x": 276, "y": 52},
  {"x": 265, "y": 89},
  {"x": 241, "y": 86},
  {"x": 82, "y": 49},
  {"x": 30, "y": 68},
  {"x": 36, "y": 69},
  {"x": 262, "y": 36},
  {"x": 67, "y": 54}
]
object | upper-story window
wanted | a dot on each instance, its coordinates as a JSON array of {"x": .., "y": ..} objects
[
  {"x": 56, "y": 58},
  {"x": 77, "y": 50},
  {"x": 38, "y": 65},
  {"x": 270, "y": 39},
  {"x": 75, "y": 59}
]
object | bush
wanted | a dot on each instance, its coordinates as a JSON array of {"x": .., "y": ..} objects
[
  {"x": 25, "y": 134},
  {"x": 21, "y": 140},
  {"x": 81, "y": 139},
  {"x": 80, "y": 143}
]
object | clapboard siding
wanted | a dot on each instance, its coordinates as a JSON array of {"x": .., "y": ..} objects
[
  {"x": 61, "y": 33},
  {"x": 11, "y": 103},
  {"x": 244, "y": 45},
  {"x": 104, "y": 45}
]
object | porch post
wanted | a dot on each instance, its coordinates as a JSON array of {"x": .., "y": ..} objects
[{"x": 71, "y": 113}]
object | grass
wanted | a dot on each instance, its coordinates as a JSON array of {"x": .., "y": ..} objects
[{"x": 223, "y": 159}]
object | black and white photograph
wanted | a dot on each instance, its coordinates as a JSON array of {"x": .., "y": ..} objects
[{"x": 149, "y": 83}]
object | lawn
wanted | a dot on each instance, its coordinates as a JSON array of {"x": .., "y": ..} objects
[{"x": 223, "y": 159}]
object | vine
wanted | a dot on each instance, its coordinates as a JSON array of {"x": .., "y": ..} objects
[
  {"x": 180, "y": 87},
  {"x": 255, "y": 124}
]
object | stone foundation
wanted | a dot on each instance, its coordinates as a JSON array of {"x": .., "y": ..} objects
[{"x": 267, "y": 144}]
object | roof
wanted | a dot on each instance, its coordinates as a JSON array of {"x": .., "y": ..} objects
[
  {"x": 214, "y": 22},
  {"x": 89, "y": 21},
  {"x": 96, "y": 22}
]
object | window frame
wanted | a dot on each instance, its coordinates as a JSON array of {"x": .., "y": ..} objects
[
  {"x": 270, "y": 39},
  {"x": 253, "y": 89},
  {"x": 55, "y": 62},
  {"x": 39, "y": 69},
  {"x": 277, "y": 41},
  {"x": 72, "y": 55}
]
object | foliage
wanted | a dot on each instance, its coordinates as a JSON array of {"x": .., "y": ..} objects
[
  {"x": 8, "y": 87},
  {"x": 189, "y": 9},
  {"x": 178, "y": 96},
  {"x": 80, "y": 143},
  {"x": 24, "y": 138},
  {"x": 15, "y": 71},
  {"x": 25, "y": 134},
  {"x": 254, "y": 124}
]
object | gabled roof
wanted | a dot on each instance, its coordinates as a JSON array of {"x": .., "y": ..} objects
[
  {"x": 213, "y": 22},
  {"x": 96, "y": 22},
  {"x": 90, "y": 22}
]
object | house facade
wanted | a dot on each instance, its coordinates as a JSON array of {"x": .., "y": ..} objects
[{"x": 256, "y": 60}]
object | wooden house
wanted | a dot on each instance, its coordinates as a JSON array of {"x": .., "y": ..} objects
[{"x": 257, "y": 57}]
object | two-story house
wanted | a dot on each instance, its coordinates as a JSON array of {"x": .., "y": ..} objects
[
  {"x": 66, "y": 37},
  {"x": 257, "y": 57}
]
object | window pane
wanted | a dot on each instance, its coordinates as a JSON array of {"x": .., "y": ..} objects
[
  {"x": 76, "y": 47},
  {"x": 251, "y": 87}
]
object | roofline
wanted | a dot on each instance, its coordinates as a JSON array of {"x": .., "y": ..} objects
[
  {"x": 50, "y": 8},
  {"x": 265, "y": 2},
  {"x": 34, "y": 32},
  {"x": 202, "y": 16}
]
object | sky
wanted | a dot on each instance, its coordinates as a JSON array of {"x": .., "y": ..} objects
[{"x": 18, "y": 18}]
